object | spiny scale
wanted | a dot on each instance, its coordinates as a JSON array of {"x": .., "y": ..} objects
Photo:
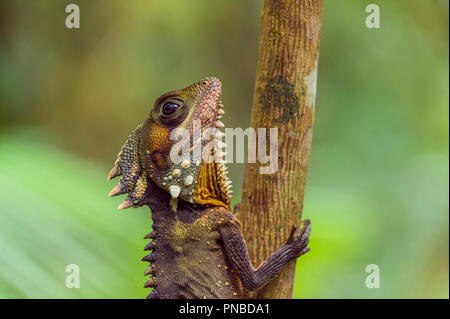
[
  {"x": 153, "y": 294},
  {"x": 151, "y": 235},
  {"x": 222, "y": 170},
  {"x": 150, "y": 270},
  {"x": 150, "y": 258},
  {"x": 117, "y": 190},
  {"x": 124, "y": 205},
  {"x": 150, "y": 283},
  {"x": 150, "y": 246},
  {"x": 134, "y": 179},
  {"x": 115, "y": 171}
]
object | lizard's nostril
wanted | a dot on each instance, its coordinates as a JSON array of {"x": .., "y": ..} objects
[{"x": 204, "y": 82}]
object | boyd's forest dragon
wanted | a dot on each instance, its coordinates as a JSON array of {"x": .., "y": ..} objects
[{"x": 197, "y": 247}]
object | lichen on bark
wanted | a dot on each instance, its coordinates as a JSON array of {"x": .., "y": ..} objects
[{"x": 280, "y": 93}]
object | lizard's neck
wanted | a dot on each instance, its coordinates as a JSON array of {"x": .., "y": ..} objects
[
  {"x": 213, "y": 186},
  {"x": 185, "y": 212}
]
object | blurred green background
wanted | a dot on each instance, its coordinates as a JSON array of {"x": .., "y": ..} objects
[{"x": 378, "y": 183}]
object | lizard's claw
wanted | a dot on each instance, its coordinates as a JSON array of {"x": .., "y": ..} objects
[
  {"x": 299, "y": 244},
  {"x": 304, "y": 251},
  {"x": 306, "y": 229},
  {"x": 290, "y": 239}
]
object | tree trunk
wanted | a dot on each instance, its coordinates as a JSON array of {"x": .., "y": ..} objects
[{"x": 284, "y": 98}]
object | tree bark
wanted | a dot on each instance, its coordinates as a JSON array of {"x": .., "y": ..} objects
[{"x": 284, "y": 98}]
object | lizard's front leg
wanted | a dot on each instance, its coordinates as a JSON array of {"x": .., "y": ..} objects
[{"x": 236, "y": 250}]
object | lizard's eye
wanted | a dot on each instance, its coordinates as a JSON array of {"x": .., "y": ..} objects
[
  {"x": 172, "y": 111},
  {"x": 169, "y": 108}
]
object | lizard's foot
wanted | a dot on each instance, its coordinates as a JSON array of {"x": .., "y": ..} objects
[{"x": 299, "y": 244}]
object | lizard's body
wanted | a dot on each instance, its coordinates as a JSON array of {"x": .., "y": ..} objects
[
  {"x": 189, "y": 259},
  {"x": 197, "y": 247}
]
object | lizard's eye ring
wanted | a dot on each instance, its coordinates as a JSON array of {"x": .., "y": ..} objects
[
  {"x": 169, "y": 108},
  {"x": 172, "y": 111}
]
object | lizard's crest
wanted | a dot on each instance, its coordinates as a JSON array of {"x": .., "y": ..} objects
[{"x": 153, "y": 150}]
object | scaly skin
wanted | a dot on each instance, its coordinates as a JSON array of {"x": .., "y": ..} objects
[{"x": 197, "y": 247}]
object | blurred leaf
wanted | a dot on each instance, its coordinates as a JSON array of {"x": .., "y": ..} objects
[{"x": 55, "y": 212}]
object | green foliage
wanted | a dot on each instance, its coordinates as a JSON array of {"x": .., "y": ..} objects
[{"x": 56, "y": 212}]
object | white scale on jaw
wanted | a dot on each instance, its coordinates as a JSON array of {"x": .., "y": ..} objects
[
  {"x": 174, "y": 191},
  {"x": 188, "y": 181}
]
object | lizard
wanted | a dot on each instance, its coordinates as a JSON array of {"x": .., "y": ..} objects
[{"x": 197, "y": 248}]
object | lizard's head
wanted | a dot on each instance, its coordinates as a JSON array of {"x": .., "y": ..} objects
[{"x": 179, "y": 148}]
